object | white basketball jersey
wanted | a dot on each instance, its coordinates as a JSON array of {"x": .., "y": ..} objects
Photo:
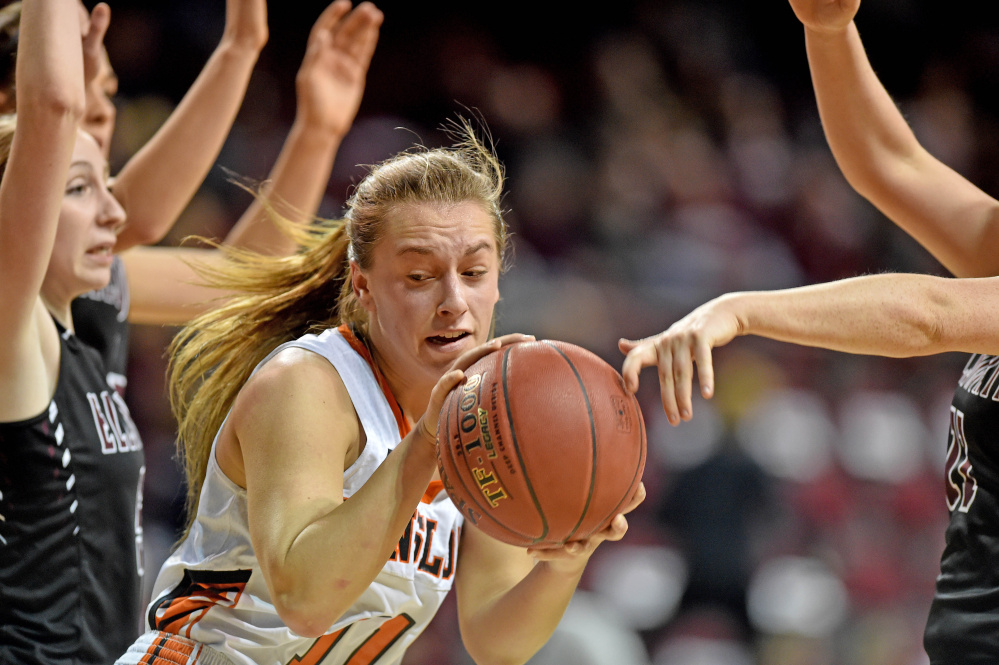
[{"x": 212, "y": 590}]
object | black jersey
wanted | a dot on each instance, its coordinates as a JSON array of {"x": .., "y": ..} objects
[
  {"x": 963, "y": 626},
  {"x": 70, "y": 534},
  {"x": 101, "y": 321}
]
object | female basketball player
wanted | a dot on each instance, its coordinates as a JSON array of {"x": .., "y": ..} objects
[
  {"x": 319, "y": 532},
  {"x": 959, "y": 224},
  {"x": 154, "y": 285},
  {"x": 892, "y": 315},
  {"x": 71, "y": 473},
  {"x": 72, "y": 459}
]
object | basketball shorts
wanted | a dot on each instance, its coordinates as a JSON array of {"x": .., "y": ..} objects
[{"x": 159, "y": 648}]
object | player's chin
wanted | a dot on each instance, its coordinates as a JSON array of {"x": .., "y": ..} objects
[{"x": 92, "y": 278}]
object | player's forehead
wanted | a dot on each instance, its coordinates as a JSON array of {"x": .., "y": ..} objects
[{"x": 425, "y": 229}]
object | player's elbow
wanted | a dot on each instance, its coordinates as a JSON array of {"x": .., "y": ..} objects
[
  {"x": 307, "y": 608},
  {"x": 303, "y": 616},
  {"x": 505, "y": 652},
  {"x": 143, "y": 232},
  {"x": 53, "y": 100},
  {"x": 487, "y": 658}
]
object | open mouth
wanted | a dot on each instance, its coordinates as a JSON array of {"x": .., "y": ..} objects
[{"x": 448, "y": 338}]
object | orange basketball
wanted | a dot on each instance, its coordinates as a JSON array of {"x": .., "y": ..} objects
[{"x": 541, "y": 444}]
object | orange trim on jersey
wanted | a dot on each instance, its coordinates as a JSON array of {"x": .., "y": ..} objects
[
  {"x": 168, "y": 649},
  {"x": 433, "y": 489},
  {"x": 319, "y": 649},
  {"x": 362, "y": 350},
  {"x": 181, "y": 613},
  {"x": 379, "y": 642}
]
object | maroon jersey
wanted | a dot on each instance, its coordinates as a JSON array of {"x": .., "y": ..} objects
[
  {"x": 70, "y": 534},
  {"x": 963, "y": 626}
]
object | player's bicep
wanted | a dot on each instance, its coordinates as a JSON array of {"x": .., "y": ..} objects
[{"x": 296, "y": 427}]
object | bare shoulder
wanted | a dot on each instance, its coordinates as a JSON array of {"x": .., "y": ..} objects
[{"x": 295, "y": 383}]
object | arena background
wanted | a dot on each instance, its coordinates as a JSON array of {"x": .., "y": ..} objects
[{"x": 659, "y": 153}]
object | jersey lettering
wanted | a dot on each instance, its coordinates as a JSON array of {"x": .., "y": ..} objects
[
  {"x": 433, "y": 567},
  {"x": 962, "y": 486},
  {"x": 109, "y": 444},
  {"x": 369, "y": 651},
  {"x": 115, "y": 428},
  {"x": 405, "y": 544},
  {"x": 415, "y": 545},
  {"x": 123, "y": 417},
  {"x": 981, "y": 376}
]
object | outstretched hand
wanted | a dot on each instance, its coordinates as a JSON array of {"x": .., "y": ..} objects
[
  {"x": 330, "y": 82},
  {"x": 93, "y": 27},
  {"x": 675, "y": 351},
  {"x": 825, "y": 15},
  {"x": 428, "y": 423}
]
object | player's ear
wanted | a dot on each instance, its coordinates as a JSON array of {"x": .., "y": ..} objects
[{"x": 359, "y": 283}]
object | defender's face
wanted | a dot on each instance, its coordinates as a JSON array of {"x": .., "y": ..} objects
[{"x": 89, "y": 222}]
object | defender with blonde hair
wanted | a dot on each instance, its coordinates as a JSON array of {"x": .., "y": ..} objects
[{"x": 320, "y": 532}]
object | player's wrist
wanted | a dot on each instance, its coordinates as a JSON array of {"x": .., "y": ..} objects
[
  {"x": 242, "y": 44},
  {"x": 827, "y": 32}
]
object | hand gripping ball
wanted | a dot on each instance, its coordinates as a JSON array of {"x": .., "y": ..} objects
[{"x": 541, "y": 444}]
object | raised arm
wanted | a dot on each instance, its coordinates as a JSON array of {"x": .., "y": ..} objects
[
  {"x": 893, "y": 315},
  {"x": 330, "y": 84},
  {"x": 50, "y": 104},
  {"x": 159, "y": 181},
  {"x": 879, "y": 155},
  {"x": 329, "y": 87}
]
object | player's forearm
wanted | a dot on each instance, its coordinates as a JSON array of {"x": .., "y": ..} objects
[
  {"x": 294, "y": 190},
  {"x": 50, "y": 66},
  {"x": 330, "y": 563},
  {"x": 882, "y": 159},
  {"x": 894, "y": 315},
  {"x": 864, "y": 128},
  {"x": 159, "y": 181},
  {"x": 51, "y": 103},
  {"x": 516, "y": 624}
]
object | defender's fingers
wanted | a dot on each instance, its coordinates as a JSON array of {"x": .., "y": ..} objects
[
  {"x": 626, "y": 345},
  {"x": 683, "y": 380},
  {"x": 705, "y": 369},
  {"x": 639, "y": 356},
  {"x": 667, "y": 386},
  {"x": 330, "y": 17},
  {"x": 354, "y": 33},
  {"x": 99, "y": 20}
]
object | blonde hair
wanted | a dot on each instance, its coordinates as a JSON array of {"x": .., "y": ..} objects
[
  {"x": 8, "y": 121},
  {"x": 10, "y": 23},
  {"x": 278, "y": 299}
]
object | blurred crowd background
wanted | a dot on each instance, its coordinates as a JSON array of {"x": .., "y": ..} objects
[{"x": 659, "y": 153}]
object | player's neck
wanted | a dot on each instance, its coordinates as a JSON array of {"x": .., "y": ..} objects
[{"x": 60, "y": 311}]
